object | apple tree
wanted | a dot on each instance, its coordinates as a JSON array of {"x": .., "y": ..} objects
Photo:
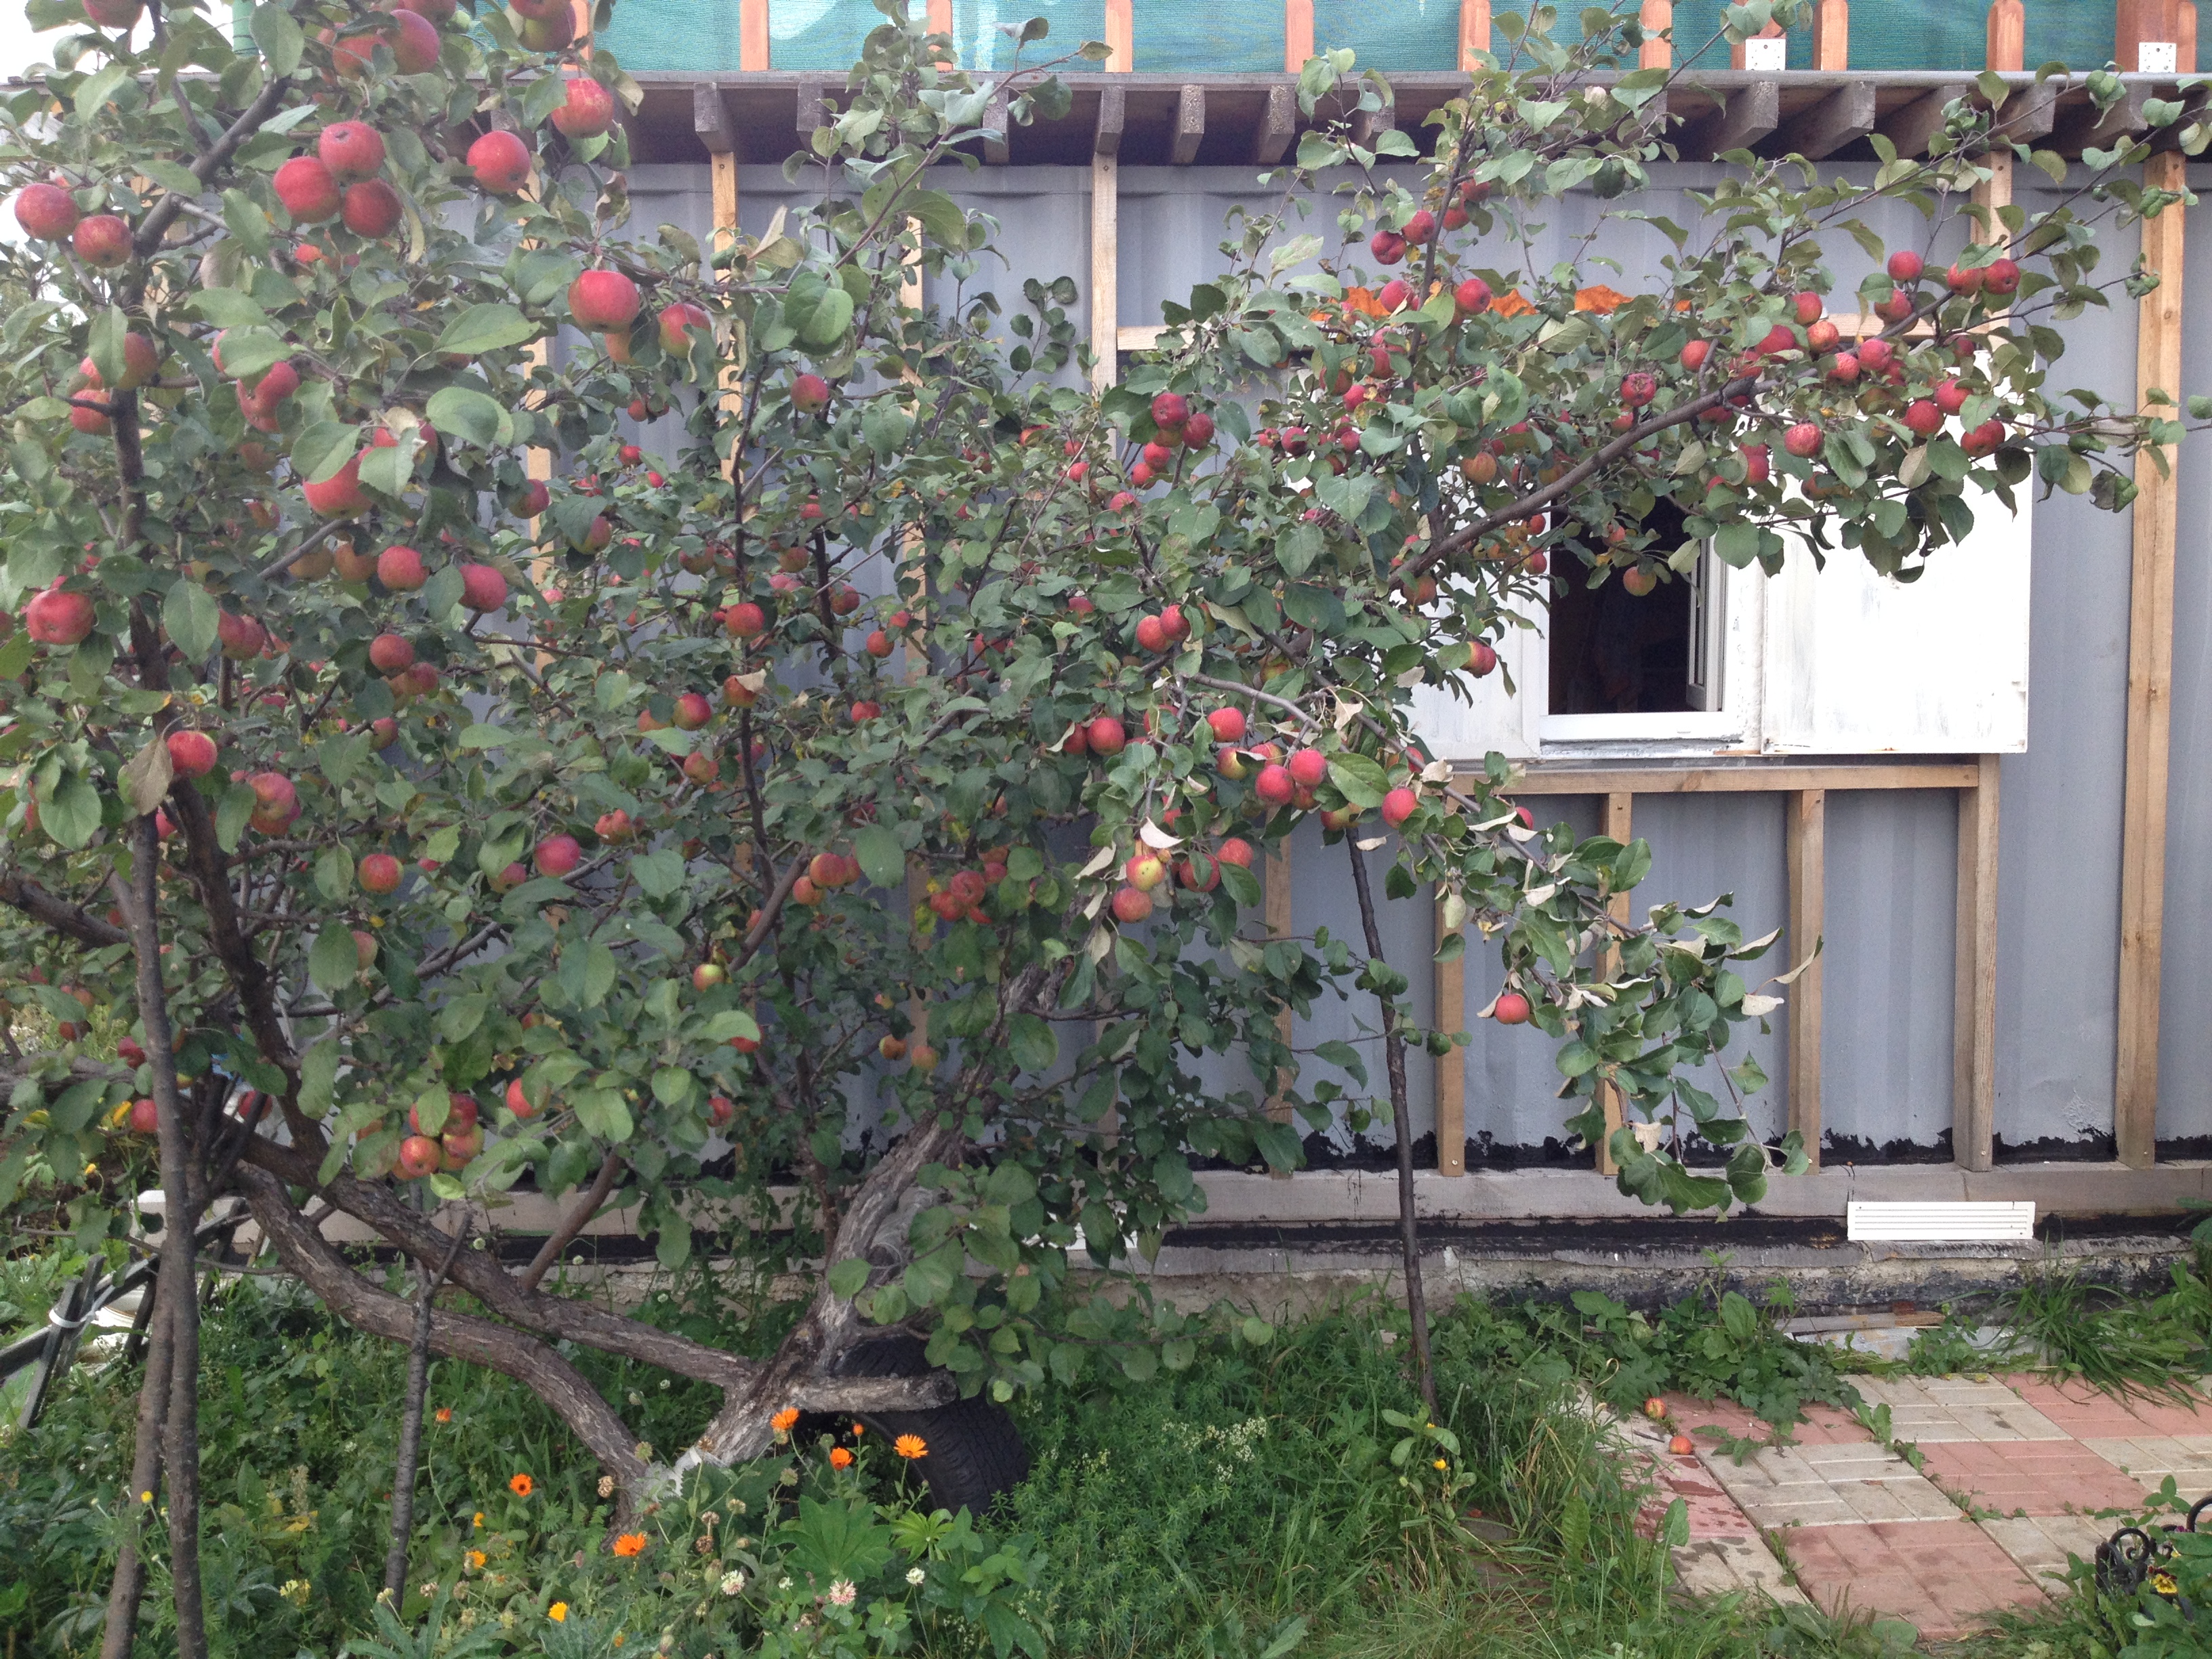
[{"x": 839, "y": 827}]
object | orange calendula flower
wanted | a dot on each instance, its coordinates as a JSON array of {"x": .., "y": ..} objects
[
  {"x": 521, "y": 1485},
  {"x": 445, "y": 1413},
  {"x": 1512, "y": 304},
  {"x": 859, "y": 1428},
  {"x": 476, "y": 1558},
  {"x": 840, "y": 1458},
  {"x": 785, "y": 1420},
  {"x": 1600, "y": 299},
  {"x": 630, "y": 1543},
  {"x": 910, "y": 1446},
  {"x": 558, "y": 1613}
]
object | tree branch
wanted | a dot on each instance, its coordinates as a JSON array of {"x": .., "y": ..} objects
[
  {"x": 58, "y": 914},
  {"x": 577, "y": 1219}
]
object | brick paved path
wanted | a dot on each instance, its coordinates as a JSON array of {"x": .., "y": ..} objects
[{"x": 2013, "y": 1470}]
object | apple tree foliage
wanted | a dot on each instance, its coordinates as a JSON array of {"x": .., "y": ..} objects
[{"x": 762, "y": 835}]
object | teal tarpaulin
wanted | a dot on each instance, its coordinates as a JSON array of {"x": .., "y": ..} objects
[{"x": 1242, "y": 36}]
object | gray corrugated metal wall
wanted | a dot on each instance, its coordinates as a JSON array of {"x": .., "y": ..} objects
[{"x": 1890, "y": 855}]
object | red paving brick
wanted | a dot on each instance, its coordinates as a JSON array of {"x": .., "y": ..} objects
[
  {"x": 2038, "y": 1477},
  {"x": 2086, "y": 1414},
  {"x": 1824, "y": 1425},
  {"x": 1945, "y": 1577}
]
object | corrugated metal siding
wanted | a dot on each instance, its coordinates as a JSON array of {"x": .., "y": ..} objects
[{"x": 1891, "y": 857}]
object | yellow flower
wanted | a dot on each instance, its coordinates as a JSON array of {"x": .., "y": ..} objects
[
  {"x": 479, "y": 1520},
  {"x": 629, "y": 1544},
  {"x": 558, "y": 1613},
  {"x": 910, "y": 1446},
  {"x": 521, "y": 1485},
  {"x": 1442, "y": 1464}
]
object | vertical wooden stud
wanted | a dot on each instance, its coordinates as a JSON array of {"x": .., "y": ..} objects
[
  {"x": 1620, "y": 826},
  {"x": 1974, "y": 1011},
  {"x": 1276, "y": 899},
  {"x": 580, "y": 10},
  {"x": 752, "y": 34},
  {"x": 937, "y": 17},
  {"x": 1121, "y": 37},
  {"x": 2184, "y": 38},
  {"x": 2007, "y": 35},
  {"x": 1451, "y": 986},
  {"x": 2150, "y": 689},
  {"x": 1298, "y": 34},
  {"x": 2134, "y": 21},
  {"x": 1105, "y": 270},
  {"x": 1655, "y": 53},
  {"x": 1809, "y": 882},
  {"x": 722, "y": 178},
  {"x": 1832, "y": 34},
  {"x": 1474, "y": 31}
]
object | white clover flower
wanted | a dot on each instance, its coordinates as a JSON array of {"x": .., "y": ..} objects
[
  {"x": 784, "y": 1582},
  {"x": 733, "y": 1583},
  {"x": 842, "y": 1592},
  {"x": 915, "y": 1574}
]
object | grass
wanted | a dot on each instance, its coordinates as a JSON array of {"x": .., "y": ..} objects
[{"x": 1278, "y": 1502}]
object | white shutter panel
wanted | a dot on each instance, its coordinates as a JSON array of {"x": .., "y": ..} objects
[
  {"x": 1456, "y": 729},
  {"x": 1858, "y": 664}
]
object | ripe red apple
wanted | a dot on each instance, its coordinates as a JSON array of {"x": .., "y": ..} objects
[
  {"x": 531, "y": 499},
  {"x": 1235, "y": 850},
  {"x": 1802, "y": 440},
  {"x": 1308, "y": 766},
  {"x": 418, "y": 1157},
  {"x": 1198, "y": 430},
  {"x": 615, "y": 826},
  {"x": 1472, "y": 297},
  {"x": 509, "y": 879},
  {"x": 1387, "y": 246},
  {"x": 603, "y": 300},
  {"x": 1393, "y": 296},
  {"x": 113, "y": 14},
  {"x": 745, "y": 621},
  {"x": 587, "y": 109},
  {"x": 278, "y": 382},
  {"x": 558, "y": 856},
  {"x": 1781, "y": 337},
  {"x": 554, "y": 32},
  {"x": 1638, "y": 580},
  {"x": 1482, "y": 658},
  {"x": 1822, "y": 336},
  {"x": 191, "y": 754},
  {"x": 242, "y": 637},
  {"x": 1227, "y": 725},
  {"x": 809, "y": 393},
  {"x": 1950, "y": 397},
  {"x": 1399, "y": 804},
  {"x": 1983, "y": 438},
  {"x": 413, "y": 42},
  {"x": 1757, "y": 465},
  {"x": 1876, "y": 354},
  {"x": 879, "y": 645},
  {"x": 58, "y": 617},
  {"x": 1169, "y": 411},
  {"x": 1273, "y": 784},
  {"x": 1961, "y": 279},
  {"x": 681, "y": 324},
  {"x": 1904, "y": 266},
  {"x": 706, "y": 975},
  {"x": 1511, "y": 1009},
  {"x": 1132, "y": 905},
  {"x": 483, "y": 587},
  {"x": 379, "y": 873},
  {"x": 1106, "y": 736},
  {"x": 457, "y": 1146},
  {"x": 1843, "y": 367},
  {"x": 102, "y": 239},
  {"x": 1637, "y": 388},
  {"x": 47, "y": 213},
  {"x": 389, "y": 654},
  {"x": 341, "y": 495},
  {"x": 371, "y": 209},
  {"x": 1421, "y": 227},
  {"x": 2001, "y": 276},
  {"x": 128, "y": 1051},
  {"x": 518, "y": 1102},
  {"x": 145, "y": 1117},
  {"x": 1153, "y": 634},
  {"x": 1145, "y": 870},
  {"x": 501, "y": 162},
  {"x": 1681, "y": 1445},
  {"x": 308, "y": 191},
  {"x": 384, "y": 731},
  {"x": 1922, "y": 418},
  {"x": 1807, "y": 308},
  {"x": 692, "y": 712},
  {"x": 400, "y": 569},
  {"x": 351, "y": 149},
  {"x": 1694, "y": 354}
]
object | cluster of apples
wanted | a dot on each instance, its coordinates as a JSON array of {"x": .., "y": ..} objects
[
  {"x": 458, "y": 1140},
  {"x": 1198, "y": 871}
]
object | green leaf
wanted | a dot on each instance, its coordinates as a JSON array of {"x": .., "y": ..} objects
[
  {"x": 318, "y": 1071},
  {"x": 599, "y": 973},
  {"x": 107, "y": 344},
  {"x": 73, "y": 814},
  {"x": 279, "y": 38},
  {"x": 146, "y": 779},
  {"x": 1362, "y": 781},
  {"x": 322, "y": 449},
  {"x": 604, "y": 1113},
  {"x": 190, "y": 613},
  {"x": 333, "y": 961},
  {"x": 230, "y": 815},
  {"x": 659, "y": 873},
  {"x": 882, "y": 860},
  {"x": 672, "y": 1085},
  {"x": 334, "y": 874},
  {"x": 471, "y": 415},
  {"x": 95, "y": 92},
  {"x": 849, "y": 1277},
  {"x": 730, "y": 1023},
  {"x": 485, "y": 328},
  {"x": 833, "y": 315},
  {"x": 1031, "y": 1042}
]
